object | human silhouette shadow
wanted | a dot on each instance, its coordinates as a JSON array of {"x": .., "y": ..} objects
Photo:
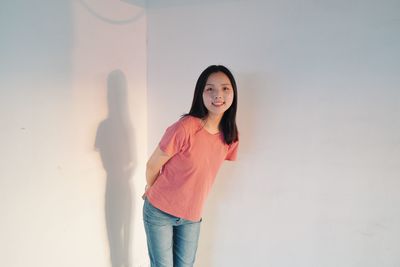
[{"x": 114, "y": 141}]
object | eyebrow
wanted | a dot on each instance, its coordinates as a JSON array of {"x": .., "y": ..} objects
[{"x": 221, "y": 84}]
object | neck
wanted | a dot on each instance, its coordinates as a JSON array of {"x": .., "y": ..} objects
[{"x": 212, "y": 122}]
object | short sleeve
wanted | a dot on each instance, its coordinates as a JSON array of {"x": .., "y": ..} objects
[
  {"x": 232, "y": 151},
  {"x": 173, "y": 139}
]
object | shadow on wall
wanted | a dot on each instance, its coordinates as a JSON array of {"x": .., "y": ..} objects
[{"x": 114, "y": 141}]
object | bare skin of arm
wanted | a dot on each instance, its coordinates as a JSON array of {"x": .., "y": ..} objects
[{"x": 153, "y": 166}]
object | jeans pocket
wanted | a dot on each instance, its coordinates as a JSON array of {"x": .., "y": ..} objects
[{"x": 153, "y": 215}]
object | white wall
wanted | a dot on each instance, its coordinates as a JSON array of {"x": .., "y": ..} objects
[
  {"x": 58, "y": 83},
  {"x": 317, "y": 179}
]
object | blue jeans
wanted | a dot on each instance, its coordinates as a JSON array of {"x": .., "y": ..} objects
[{"x": 171, "y": 241}]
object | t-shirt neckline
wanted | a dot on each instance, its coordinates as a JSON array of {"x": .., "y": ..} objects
[{"x": 204, "y": 129}]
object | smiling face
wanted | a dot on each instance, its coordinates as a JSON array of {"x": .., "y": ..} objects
[{"x": 218, "y": 94}]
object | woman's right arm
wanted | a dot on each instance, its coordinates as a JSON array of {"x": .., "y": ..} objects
[{"x": 154, "y": 164}]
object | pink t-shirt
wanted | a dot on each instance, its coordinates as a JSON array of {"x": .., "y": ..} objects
[{"x": 186, "y": 179}]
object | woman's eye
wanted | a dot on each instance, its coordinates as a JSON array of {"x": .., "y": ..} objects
[
  {"x": 208, "y": 89},
  {"x": 227, "y": 88}
]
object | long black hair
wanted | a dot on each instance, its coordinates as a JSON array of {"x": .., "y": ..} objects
[{"x": 227, "y": 124}]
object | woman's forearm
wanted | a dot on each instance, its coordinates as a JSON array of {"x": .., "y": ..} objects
[
  {"x": 151, "y": 175},
  {"x": 154, "y": 165}
]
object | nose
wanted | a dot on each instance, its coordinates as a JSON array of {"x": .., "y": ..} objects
[{"x": 218, "y": 94}]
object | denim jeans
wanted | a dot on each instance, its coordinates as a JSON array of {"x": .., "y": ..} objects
[{"x": 171, "y": 241}]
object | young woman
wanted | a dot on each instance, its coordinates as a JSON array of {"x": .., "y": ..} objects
[{"x": 182, "y": 169}]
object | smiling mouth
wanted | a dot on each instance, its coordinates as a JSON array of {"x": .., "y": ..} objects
[{"x": 218, "y": 104}]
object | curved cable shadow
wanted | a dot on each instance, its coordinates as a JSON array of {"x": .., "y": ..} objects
[
  {"x": 108, "y": 20},
  {"x": 114, "y": 139}
]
